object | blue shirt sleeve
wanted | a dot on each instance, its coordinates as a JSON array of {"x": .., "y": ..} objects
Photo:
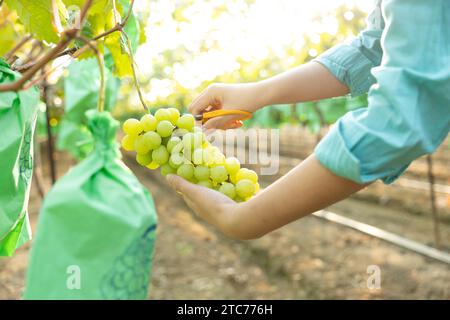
[
  {"x": 351, "y": 63},
  {"x": 408, "y": 114}
]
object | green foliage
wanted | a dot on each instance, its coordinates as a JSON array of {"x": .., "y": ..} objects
[
  {"x": 36, "y": 16},
  {"x": 165, "y": 65}
]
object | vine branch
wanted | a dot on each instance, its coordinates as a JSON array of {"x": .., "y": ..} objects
[
  {"x": 66, "y": 38},
  {"x": 11, "y": 53},
  {"x": 74, "y": 52}
]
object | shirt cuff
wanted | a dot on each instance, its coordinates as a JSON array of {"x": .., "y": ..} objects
[
  {"x": 334, "y": 152},
  {"x": 349, "y": 66}
]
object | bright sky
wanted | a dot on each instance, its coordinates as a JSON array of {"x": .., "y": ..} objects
[{"x": 248, "y": 32}]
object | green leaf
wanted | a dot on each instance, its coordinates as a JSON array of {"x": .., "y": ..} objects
[
  {"x": 36, "y": 16},
  {"x": 98, "y": 6},
  {"x": 122, "y": 62}
]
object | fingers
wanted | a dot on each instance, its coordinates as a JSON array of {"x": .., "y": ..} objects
[
  {"x": 184, "y": 187},
  {"x": 223, "y": 122},
  {"x": 204, "y": 101}
]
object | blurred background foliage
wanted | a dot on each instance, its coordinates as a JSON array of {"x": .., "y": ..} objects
[{"x": 191, "y": 44}]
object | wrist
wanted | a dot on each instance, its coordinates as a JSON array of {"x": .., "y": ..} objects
[
  {"x": 235, "y": 225},
  {"x": 260, "y": 95}
]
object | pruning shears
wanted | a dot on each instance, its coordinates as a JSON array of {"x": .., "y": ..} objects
[{"x": 244, "y": 115}]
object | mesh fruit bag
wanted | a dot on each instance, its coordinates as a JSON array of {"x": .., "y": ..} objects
[
  {"x": 96, "y": 229},
  {"x": 18, "y": 112}
]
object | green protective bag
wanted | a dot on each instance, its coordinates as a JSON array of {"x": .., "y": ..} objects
[
  {"x": 18, "y": 112},
  {"x": 81, "y": 94},
  {"x": 96, "y": 229}
]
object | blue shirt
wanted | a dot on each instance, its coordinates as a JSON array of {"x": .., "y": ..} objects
[{"x": 403, "y": 60}]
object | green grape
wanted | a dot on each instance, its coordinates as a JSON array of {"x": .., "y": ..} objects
[
  {"x": 245, "y": 188},
  {"x": 174, "y": 115},
  {"x": 167, "y": 169},
  {"x": 152, "y": 139},
  {"x": 201, "y": 173},
  {"x": 213, "y": 150},
  {"x": 148, "y": 122},
  {"x": 247, "y": 174},
  {"x": 186, "y": 121},
  {"x": 128, "y": 142},
  {"x": 199, "y": 156},
  {"x": 152, "y": 165},
  {"x": 205, "y": 144},
  {"x": 164, "y": 128},
  {"x": 173, "y": 141},
  {"x": 132, "y": 127},
  {"x": 193, "y": 180},
  {"x": 179, "y": 132},
  {"x": 144, "y": 159},
  {"x": 178, "y": 148},
  {"x": 228, "y": 189},
  {"x": 256, "y": 187},
  {"x": 176, "y": 160},
  {"x": 141, "y": 145},
  {"x": 162, "y": 114},
  {"x": 238, "y": 199},
  {"x": 200, "y": 136},
  {"x": 160, "y": 155},
  {"x": 218, "y": 159},
  {"x": 197, "y": 129},
  {"x": 205, "y": 183},
  {"x": 186, "y": 171},
  {"x": 192, "y": 140},
  {"x": 219, "y": 174},
  {"x": 233, "y": 178},
  {"x": 232, "y": 165}
]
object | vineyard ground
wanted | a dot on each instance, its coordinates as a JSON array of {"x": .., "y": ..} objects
[{"x": 309, "y": 259}]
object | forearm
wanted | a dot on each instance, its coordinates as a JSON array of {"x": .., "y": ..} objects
[
  {"x": 305, "y": 189},
  {"x": 308, "y": 82}
]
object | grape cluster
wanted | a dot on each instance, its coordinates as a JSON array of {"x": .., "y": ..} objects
[{"x": 172, "y": 142}]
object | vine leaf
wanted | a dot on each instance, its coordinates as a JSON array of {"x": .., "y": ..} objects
[
  {"x": 36, "y": 16},
  {"x": 122, "y": 63}
]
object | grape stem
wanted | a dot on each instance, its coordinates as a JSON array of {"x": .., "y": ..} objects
[
  {"x": 9, "y": 55},
  {"x": 101, "y": 67},
  {"x": 135, "y": 79}
]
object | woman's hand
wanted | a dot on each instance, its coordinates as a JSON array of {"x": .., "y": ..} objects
[
  {"x": 210, "y": 205},
  {"x": 245, "y": 96}
]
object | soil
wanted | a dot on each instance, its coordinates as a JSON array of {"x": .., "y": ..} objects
[{"x": 308, "y": 259}]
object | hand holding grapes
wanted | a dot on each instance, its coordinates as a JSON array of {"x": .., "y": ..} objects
[{"x": 212, "y": 206}]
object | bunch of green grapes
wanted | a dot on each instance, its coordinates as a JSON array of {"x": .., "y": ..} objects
[{"x": 171, "y": 142}]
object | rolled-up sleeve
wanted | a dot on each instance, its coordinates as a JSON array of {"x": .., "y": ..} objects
[
  {"x": 351, "y": 63},
  {"x": 408, "y": 112}
]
